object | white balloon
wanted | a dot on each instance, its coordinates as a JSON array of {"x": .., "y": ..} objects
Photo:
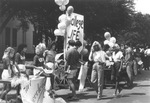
[
  {"x": 63, "y": 32},
  {"x": 113, "y": 39},
  {"x": 65, "y": 2},
  {"x": 57, "y": 32},
  {"x": 62, "y": 25},
  {"x": 70, "y": 10},
  {"x": 62, "y": 7},
  {"x": 111, "y": 44},
  {"x": 59, "y": 2},
  {"x": 62, "y": 17},
  {"x": 106, "y": 42},
  {"x": 107, "y": 35},
  {"x": 65, "y": 18}
]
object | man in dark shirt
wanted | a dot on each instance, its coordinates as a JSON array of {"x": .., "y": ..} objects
[{"x": 72, "y": 59}]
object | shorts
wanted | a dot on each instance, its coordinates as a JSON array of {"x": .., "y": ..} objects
[{"x": 72, "y": 73}]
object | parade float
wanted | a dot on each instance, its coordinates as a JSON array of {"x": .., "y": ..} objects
[
  {"x": 35, "y": 89},
  {"x": 71, "y": 26}
]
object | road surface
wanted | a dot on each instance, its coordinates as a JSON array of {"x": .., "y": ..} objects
[{"x": 140, "y": 93}]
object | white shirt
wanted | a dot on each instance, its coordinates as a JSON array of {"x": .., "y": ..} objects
[
  {"x": 99, "y": 56},
  {"x": 117, "y": 56}
]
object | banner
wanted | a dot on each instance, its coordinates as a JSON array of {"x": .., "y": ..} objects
[
  {"x": 34, "y": 91},
  {"x": 75, "y": 30}
]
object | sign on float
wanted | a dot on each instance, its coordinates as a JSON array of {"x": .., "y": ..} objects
[
  {"x": 75, "y": 30},
  {"x": 34, "y": 91}
]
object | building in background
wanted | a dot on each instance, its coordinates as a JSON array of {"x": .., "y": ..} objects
[{"x": 10, "y": 35}]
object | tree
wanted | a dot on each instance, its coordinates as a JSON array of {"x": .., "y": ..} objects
[
  {"x": 100, "y": 15},
  {"x": 141, "y": 24},
  {"x": 105, "y": 15},
  {"x": 139, "y": 32}
]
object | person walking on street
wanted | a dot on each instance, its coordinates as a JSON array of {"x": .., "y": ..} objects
[
  {"x": 147, "y": 58},
  {"x": 138, "y": 65},
  {"x": 72, "y": 62},
  {"x": 129, "y": 64},
  {"x": 117, "y": 58},
  {"x": 98, "y": 56}
]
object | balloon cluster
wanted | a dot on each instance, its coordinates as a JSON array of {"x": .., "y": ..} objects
[
  {"x": 64, "y": 22},
  {"x": 111, "y": 41},
  {"x": 62, "y": 4}
]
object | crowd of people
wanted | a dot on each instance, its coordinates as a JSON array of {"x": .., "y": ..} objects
[
  {"x": 121, "y": 58},
  {"x": 118, "y": 58}
]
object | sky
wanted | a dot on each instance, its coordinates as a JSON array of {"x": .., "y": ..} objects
[{"x": 142, "y": 6}]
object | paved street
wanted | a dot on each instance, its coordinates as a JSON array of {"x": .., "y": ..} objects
[{"x": 140, "y": 93}]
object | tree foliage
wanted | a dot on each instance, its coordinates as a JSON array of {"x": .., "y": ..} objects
[
  {"x": 115, "y": 16},
  {"x": 105, "y": 15},
  {"x": 139, "y": 32}
]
